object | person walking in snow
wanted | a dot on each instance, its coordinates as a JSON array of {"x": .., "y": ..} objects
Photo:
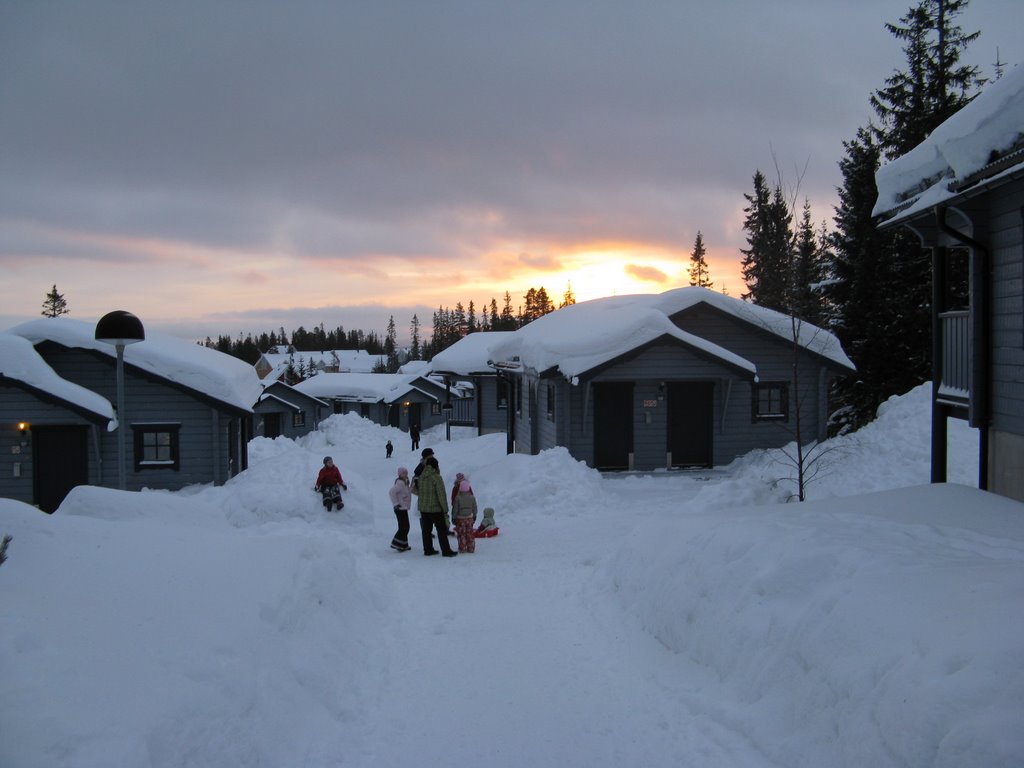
[
  {"x": 414, "y": 434},
  {"x": 433, "y": 508},
  {"x": 388, "y": 449},
  {"x": 328, "y": 483},
  {"x": 401, "y": 499},
  {"x": 464, "y": 512}
]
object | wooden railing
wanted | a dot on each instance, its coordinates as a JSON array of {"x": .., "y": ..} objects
[{"x": 956, "y": 355}]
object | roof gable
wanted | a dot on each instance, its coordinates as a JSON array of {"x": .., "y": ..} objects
[
  {"x": 207, "y": 372},
  {"x": 585, "y": 336},
  {"x": 22, "y": 366}
]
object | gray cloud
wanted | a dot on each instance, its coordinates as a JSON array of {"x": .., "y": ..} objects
[{"x": 427, "y": 131}]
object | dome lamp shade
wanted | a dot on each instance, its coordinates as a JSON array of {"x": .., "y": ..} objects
[{"x": 120, "y": 327}]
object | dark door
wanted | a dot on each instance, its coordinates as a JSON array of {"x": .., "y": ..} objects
[
  {"x": 394, "y": 415},
  {"x": 689, "y": 423},
  {"x": 60, "y": 461},
  {"x": 613, "y": 424},
  {"x": 272, "y": 425},
  {"x": 414, "y": 416}
]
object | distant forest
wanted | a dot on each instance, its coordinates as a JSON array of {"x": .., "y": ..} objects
[{"x": 448, "y": 326}]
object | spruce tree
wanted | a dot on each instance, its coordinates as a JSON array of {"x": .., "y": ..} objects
[
  {"x": 55, "y": 304},
  {"x": 414, "y": 333},
  {"x": 698, "y": 264},
  {"x": 568, "y": 298}
]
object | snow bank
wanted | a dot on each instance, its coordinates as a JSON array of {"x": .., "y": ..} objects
[{"x": 871, "y": 630}]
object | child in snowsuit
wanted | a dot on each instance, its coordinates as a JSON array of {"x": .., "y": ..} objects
[
  {"x": 388, "y": 449},
  {"x": 328, "y": 482},
  {"x": 464, "y": 514},
  {"x": 401, "y": 498},
  {"x": 488, "y": 527}
]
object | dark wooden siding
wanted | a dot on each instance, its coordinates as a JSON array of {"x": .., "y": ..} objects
[{"x": 1006, "y": 242}]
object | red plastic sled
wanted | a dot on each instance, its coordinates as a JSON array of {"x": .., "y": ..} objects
[{"x": 486, "y": 534}]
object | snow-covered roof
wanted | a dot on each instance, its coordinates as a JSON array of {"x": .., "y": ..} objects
[
  {"x": 984, "y": 140},
  {"x": 419, "y": 367},
  {"x": 20, "y": 361},
  {"x": 470, "y": 354},
  {"x": 201, "y": 369},
  {"x": 360, "y": 387},
  {"x": 346, "y": 360},
  {"x": 580, "y": 337}
]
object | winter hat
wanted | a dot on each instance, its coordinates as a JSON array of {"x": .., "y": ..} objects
[
  {"x": 326, "y": 459},
  {"x": 403, "y": 472},
  {"x": 427, "y": 452},
  {"x": 464, "y": 486},
  {"x": 459, "y": 477}
]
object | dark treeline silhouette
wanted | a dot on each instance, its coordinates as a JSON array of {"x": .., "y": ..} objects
[
  {"x": 449, "y": 325},
  {"x": 249, "y": 347}
]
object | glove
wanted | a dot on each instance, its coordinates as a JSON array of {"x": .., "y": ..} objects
[
  {"x": 316, "y": 488},
  {"x": 344, "y": 487}
]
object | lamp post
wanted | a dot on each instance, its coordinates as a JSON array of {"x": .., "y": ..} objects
[{"x": 120, "y": 328}]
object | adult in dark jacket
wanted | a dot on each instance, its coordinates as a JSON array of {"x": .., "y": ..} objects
[{"x": 433, "y": 507}]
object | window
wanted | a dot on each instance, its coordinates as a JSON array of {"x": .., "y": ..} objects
[
  {"x": 156, "y": 446},
  {"x": 771, "y": 401},
  {"x": 435, "y": 409},
  {"x": 551, "y": 402},
  {"x": 299, "y": 419}
]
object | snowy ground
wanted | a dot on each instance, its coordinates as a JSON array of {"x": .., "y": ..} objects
[{"x": 670, "y": 619}]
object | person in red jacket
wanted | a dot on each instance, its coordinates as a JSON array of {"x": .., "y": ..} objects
[{"x": 329, "y": 484}]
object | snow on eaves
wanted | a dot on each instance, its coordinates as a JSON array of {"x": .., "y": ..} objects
[
  {"x": 20, "y": 361},
  {"x": 359, "y": 387},
  {"x": 470, "y": 354},
  {"x": 581, "y": 337},
  {"x": 217, "y": 375},
  {"x": 989, "y": 127}
]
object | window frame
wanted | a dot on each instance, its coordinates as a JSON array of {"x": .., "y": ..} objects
[
  {"x": 140, "y": 445},
  {"x": 758, "y": 412}
]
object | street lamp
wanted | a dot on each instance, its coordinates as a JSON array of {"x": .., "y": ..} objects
[{"x": 120, "y": 328}]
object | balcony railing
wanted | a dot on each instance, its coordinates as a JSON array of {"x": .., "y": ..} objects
[{"x": 955, "y": 386}]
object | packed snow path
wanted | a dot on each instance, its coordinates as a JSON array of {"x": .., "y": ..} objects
[
  {"x": 681, "y": 619},
  {"x": 506, "y": 657}
]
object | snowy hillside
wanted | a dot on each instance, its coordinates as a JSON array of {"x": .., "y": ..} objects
[{"x": 666, "y": 619}]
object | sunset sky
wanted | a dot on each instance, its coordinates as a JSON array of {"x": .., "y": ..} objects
[{"x": 225, "y": 166}]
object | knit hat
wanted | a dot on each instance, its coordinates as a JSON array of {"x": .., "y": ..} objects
[
  {"x": 326, "y": 459},
  {"x": 464, "y": 486},
  {"x": 427, "y": 452},
  {"x": 403, "y": 472}
]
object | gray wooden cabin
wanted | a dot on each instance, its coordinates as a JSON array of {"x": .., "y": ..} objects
[
  {"x": 467, "y": 362},
  {"x": 388, "y": 399},
  {"x": 720, "y": 389},
  {"x": 51, "y": 438},
  {"x": 177, "y": 436},
  {"x": 283, "y": 411},
  {"x": 970, "y": 213}
]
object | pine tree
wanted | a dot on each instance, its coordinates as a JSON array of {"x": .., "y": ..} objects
[
  {"x": 767, "y": 262},
  {"x": 698, "y": 264},
  {"x": 471, "y": 326},
  {"x": 807, "y": 271},
  {"x": 568, "y": 298},
  {"x": 934, "y": 86},
  {"x": 391, "y": 346},
  {"x": 55, "y": 304},
  {"x": 414, "y": 333}
]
